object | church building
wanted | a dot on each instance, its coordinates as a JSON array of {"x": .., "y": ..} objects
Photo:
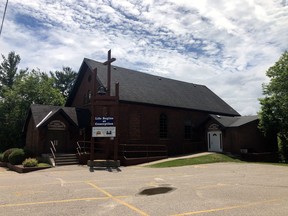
[{"x": 121, "y": 114}]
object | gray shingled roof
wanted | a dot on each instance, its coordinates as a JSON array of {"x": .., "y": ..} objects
[
  {"x": 145, "y": 88},
  {"x": 42, "y": 113},
  {"x": 228, "y": 121}
]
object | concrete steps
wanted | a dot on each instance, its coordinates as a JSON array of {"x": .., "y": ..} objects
[{"x": 66, "y": 159}]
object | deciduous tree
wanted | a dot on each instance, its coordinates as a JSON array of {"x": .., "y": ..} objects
[
  {"x": 35, "y": 87},
  {"x": 274, "y": 106}
]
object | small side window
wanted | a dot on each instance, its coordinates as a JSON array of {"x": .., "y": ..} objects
[
  {"x": 163, "y": 126},
  {"x": 85, "y": 99},
  {"x": 188, "y": 129},
  {"x": 89, "y": 96}
]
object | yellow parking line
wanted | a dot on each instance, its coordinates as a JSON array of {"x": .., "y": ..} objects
[
  {"x": 117, "y": 200},
  {"x": 99, "y": 189},
  {"x": 53, "y": 201},
  {"x": 227, "y": 208}
]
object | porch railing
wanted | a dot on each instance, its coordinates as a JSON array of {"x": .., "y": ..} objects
[{"x": 143, "y": 150}]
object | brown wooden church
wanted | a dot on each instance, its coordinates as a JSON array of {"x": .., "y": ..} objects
[{"x": 121, "y": 114}]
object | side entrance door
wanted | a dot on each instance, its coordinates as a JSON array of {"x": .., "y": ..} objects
[{"x": 215, "y": 141}]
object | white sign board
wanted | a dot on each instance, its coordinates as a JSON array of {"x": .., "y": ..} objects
[{"x": 103, "y": 131}]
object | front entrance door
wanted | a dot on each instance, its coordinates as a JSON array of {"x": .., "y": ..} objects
[
  {"x": 59, "y": 138},
  {"x": 215, "y": 141}
]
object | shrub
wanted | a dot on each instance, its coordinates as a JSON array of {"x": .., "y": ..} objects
[
  {"x": 7, "y": 153},
  {"x": 17, "y": 157},
  {"x": 28, "y": 153},
  {"x": 1, "y": 157},
  {"x": 30, "y": 162}
]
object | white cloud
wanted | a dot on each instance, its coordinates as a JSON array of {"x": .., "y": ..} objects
[{"x": 226, "y": 45}]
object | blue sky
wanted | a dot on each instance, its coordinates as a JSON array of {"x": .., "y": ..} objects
[{"x": 226, "y": 45}]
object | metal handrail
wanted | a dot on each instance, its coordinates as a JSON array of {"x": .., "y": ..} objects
[
  {"x": 82, "y": 149},
  {"x": 52, "y": 149}
]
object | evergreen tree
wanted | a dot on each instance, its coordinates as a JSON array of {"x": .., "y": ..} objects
[
  {"x": 8, "y": 71},
  {"x": 64, "y": 80}
]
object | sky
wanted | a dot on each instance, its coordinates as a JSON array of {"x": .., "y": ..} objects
[{"x": 226, "y": 45}]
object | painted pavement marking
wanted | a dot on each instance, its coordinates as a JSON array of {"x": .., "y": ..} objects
[
  {"x": 117, "y": 199},
  {"x": 54, "y": 201},
  {"x": 228, "y": 207}
]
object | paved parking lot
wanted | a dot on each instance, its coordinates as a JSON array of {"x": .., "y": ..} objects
[{"x": 212, "y": 189}]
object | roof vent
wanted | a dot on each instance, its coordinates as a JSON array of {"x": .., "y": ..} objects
[
  {"x": 114, "y": 68},
  {"x": 159, "y": 78}
]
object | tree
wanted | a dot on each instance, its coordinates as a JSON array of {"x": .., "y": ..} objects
[
  {"x": 8, "y": 70},
  {"x": 64, "y": 80},
  {"x": 35, "y": 87},
  {"x": 274, "y": 106}
]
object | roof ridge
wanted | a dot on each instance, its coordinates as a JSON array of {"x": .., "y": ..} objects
[{"x": 146, "y": 73}]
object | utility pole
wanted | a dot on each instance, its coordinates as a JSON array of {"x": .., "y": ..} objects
[{"x": 3, "y": 17}]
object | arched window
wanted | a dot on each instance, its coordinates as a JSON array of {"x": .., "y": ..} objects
[{"x": 163, "y": 129}]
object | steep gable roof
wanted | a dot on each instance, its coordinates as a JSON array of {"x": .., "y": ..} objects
[
  {"x": 43, "y": 113},
  {"x": 228, "y": 121},
  {"x": 145, "y": 88}
]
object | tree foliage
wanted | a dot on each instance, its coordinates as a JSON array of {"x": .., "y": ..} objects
[
  {"x": 274, "y": 106},
  {"x": 20, "y": 89},
  {"x": 8, "y": 70},
  {"x": 64, "y": 80},
  {"x": 33, "y": 88}
]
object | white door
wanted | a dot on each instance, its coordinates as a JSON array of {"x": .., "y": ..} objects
[{"x": 215, "y": 141}]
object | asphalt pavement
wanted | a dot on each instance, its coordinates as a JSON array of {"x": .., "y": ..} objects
[{"x": 209, "y": 189}]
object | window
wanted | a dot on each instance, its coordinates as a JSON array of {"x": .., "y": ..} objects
[
  {"x": 163, "y": 132},
  {"x": 89, "y": 96},
  {"x": 85, "y": 99},
  {"x": 188, "y": 129},
  {"x": 135, "y": 126}
]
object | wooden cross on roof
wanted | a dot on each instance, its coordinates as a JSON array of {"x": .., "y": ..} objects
[{"x": 108, "y": 63}]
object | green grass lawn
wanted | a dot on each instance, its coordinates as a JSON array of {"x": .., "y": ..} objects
[
  {"x": 211, "y": 158},
  {"x": 43, "y": 165}
]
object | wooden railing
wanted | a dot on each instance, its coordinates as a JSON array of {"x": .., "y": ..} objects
[
  {"x": 83, "y": 147},
  {"x": 129, "y": 154},
  {"x": 143, "y": 150}
]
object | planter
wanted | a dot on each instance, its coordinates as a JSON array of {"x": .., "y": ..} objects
[
  {"x": 21, "y": 169},
  {"x": 3, "y": 164}
]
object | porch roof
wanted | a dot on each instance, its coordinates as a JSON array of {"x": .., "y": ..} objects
[
  {"x": 228, "y": 121},
  {"x": 42, "y": 114}
]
